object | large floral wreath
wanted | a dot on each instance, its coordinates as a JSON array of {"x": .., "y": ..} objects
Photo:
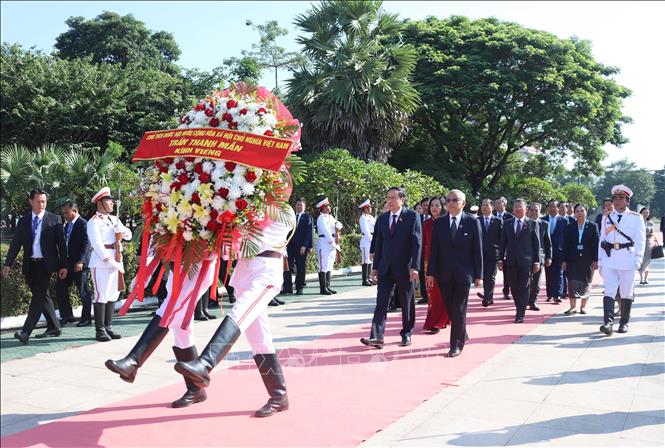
[{"x": 197, "y": 207}]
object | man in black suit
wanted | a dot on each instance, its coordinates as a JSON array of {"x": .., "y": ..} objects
[
  {"x": 397, "y": 247},
  {"x": 41, "y": 235},
  {"x": 77, "y": 256},
  {"x": 492, "y": 227},
  {"x": 423, "y": 216},
  {"x": 556, "y": 227},
  {"x": 298, "y": 248},
  {"x": 545, "y": 253},
  {"x": 520, "y": 252},
  {"x": 456, "y": 261},
  {"x": 501, "y": 213}
]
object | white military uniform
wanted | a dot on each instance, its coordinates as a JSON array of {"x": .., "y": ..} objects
[
  {"x": 104, "y": 269},
  {"x": 257, "y": 281},
  {"x": 367, "y": 223},
  {"x": 326, "y": 248},
  {"x": 618, "y": 270}
]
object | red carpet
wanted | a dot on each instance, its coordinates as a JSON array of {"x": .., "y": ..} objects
[{"x": 341, "y": 391}]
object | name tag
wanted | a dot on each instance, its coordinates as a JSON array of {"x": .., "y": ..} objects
[{"x": 580, "y": 247}]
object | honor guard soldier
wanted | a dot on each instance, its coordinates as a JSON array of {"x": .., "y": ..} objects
[
  {"x": 105, "y": 232},
  {"x": 327, "y": 245},
  {"x": 620, "y": 252},
  {"x": 366, "y": 222}
]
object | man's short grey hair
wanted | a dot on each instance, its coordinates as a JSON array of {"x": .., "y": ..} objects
[
  {"x": 535, "y": 204},
  {"x": 519, "y": 200},
  {"x": 459, "y": 193}
]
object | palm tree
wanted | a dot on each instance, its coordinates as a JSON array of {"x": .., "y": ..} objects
[{"x": 356, "y": 93}]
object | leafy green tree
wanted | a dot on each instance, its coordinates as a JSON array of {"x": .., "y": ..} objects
[
  {"x": 117, "y": 39},
  {"x": 577, "y": 193},
  {"x": 200, "y": 83},
  {"x": 625, "y": 172},
  {"x": 532, "y": 189},
  {"x": 490, "y": 88},
  {"x": 658, "y": 202},
  {"x": 270, "y": 55},
  {"x": 356, "y": 94}
]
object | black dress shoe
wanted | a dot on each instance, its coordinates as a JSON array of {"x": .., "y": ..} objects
[
  {"x": 281, "y": 302},
  {"x": 506, "y": 298},
  {"x": 422, "y": 301},
  {"x": 485, "y": 303},
  {"x": 433, "y": 330},
  {"x": 490, "y": 302},
  {"x": 406, "y": 341},
  {"x": 623, "y": 328},
  {"x": 273, "y": 302},
  {"x": 23, "y": 337},
  {"x": 201, "y": 317},
  {"x": 52, "y": 333},
  {"x": 68, "y": 320},
  {"x": 84, "y": 323},
  {"x": 519, "y": 320},
  {"x": 481, "y": 295},
  {"x": 209, "y": 316},
  {"x": 299, "y": 292},
  {"x": 286, "y": 292},
  {"x": 113, "y": 335},
  {"x": 607, "y": 329},
  {"x": 454, "y": 352},
  {"x": 232, "y": 300},
  {"x": 534, "y": 308},
  {"x": 376, "y": 343}
]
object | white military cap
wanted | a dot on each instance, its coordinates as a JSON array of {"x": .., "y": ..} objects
[
  {"x": 622, "y": 190},
  {"x": 474, "y": 208},
  {"x": 103, "y": 193},
  {"x": 364, "y": 204},
  {"x": 322, "y": 202}
]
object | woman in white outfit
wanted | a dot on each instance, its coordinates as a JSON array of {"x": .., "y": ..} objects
[
  {"x": 327, "y": 245},
  {"x": 366, "y": 222}
]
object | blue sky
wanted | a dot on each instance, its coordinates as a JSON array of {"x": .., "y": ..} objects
[{"x": 629, "y": 35}]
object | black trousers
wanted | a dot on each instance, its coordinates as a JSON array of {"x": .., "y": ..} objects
[
  {"x": 38, "y": 279},
  {"x": 296, "y": 263},
  {"x": 554, "y": 279},
  {"x": 489, "y": 278},
  {"x": 80, "y": 280},
  {"x": 506, "y": 281},
  {"x": 224, "y": 265},
  {"x": 519, "y": 279},
  {"x": 534, "y": 288},
  {"x": 456, "y": 298},
  {"x": 405, "y": 289}
]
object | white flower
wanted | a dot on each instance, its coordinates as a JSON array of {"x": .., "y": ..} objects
[
  {"x": 200, "y": 117},
  {"x": 234, "y": 193},
  {"x": 247, "y": 189},
  {"x": 270, "y": 120},
  {"x": 218, "y": 203},
  {"x": 165, "y": 187},
  {"x": 207, "y": 167},
  {"x": 219, "y": 183},
  {"x": 240, "y": 169},
  {"x": 253, "y": 107},
  {"x": 204, "y": 220},
  {"x": 238, "y": 179},
  {"x": 188, "y": 235},
  {"x": 231, "y": 205},
  {"x": 260, "y": 130},
  {"x": 217, "y": 174},
  {"x": 198, "y": 159}
]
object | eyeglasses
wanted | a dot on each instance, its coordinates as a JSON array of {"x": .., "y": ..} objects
[{"x": 453, "y": 199}]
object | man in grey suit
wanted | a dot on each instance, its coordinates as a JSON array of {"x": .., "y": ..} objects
[
  {"x": 520, "y": 252},
  {"x": 545, "y": 253}
]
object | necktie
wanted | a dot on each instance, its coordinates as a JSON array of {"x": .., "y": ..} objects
[
  {"x": 35, "y": 224},
  {"x": 619, "y": 219},
  {"x": 519, "y": 227},
  {"x": 453, "y": 227},
  {"x": 297, "y": 219},
  {"x": 487, "y": 223},
  {"x": 392, "y": 225},
  {"x": 552, "y": 224},
  {"x": 68, "y": 232}
]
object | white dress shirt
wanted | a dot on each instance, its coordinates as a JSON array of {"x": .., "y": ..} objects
[{"x": 36, "y": 241}]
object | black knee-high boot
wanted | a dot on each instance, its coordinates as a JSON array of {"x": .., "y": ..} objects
[
  {"x": 128, "y": 366},
  {"x": 273, "y": 379},
  {"x": 194, "y": 394},
  {"x": 364, "y": 274},
  {"x": 100, "y": 330},
  {"x": 198, "y": 369},
  {"x": 198, "y": 312},
  {"x": 328, "y": 276},
  {"x": 322, "y": 284},
  {"x": 608, "y": 315},
  {"x": 626, "y": 305},
  {"x": 204, "y": 304},
  {"x": 109, "y": 309},
  {"x": 369, "y": 274}
]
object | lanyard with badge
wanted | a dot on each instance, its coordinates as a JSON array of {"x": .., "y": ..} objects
[{"x": 580, "y": 233}]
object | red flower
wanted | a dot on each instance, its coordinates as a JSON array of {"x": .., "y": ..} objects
[
  {"x": 241, "y": 204},
  {"x": 233, "y": 125},
  {"x": 227, "y": 117},
  {"x": 183, "y": 178},
  {"x": 242, "y": 111},
  {"x": 168, "y": 160},
  {"x": 184, "y": 119},
  {"x": 250, "y": 176},
  {"x": 199, "y": 107},
  {"x": 204, "y": 178},
  {"x": 230, "y": 104},
  {"x": 223, "y": 192},
  {"x": 228, "y": 216},
  {"x": 212, "y": 225},
  {"x": 159, "y": 207},
  {"x": 180, "y": 165},
  {"x": 209, "y": 112},
  {"x": 189, "y": 159},
  {"x": 268, "y": 133},
  {"x": 196, "y": 199},
  {"x": 214, "y": 122},
  {"x": 198, "y": 168},
  {"x": 161, "y": 167},
  {"x": 175, "y": 186},
  {"x": 261, "y": 111},
  {"x": 230, "y": 166},
  {"x": 213, "y": 214}
]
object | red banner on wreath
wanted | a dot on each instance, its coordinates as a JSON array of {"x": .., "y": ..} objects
[{"x": 257, "y": 151}]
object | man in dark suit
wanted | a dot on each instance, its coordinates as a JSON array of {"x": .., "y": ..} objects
[
  {"x": 423, "y": 216},
  {"x": 520, "y": 252},
  {"x": 41, "y": 235},
  {"x": 556, "y": 227},
  {"x": 456, "y": 261},
  {"x": 545, "y": 253},
  {"x": 501, "y": 213},
  {"x": 492, "y": 227},
  {"x": 77, "y": 256},
  {"x": 299, "y": 246},
  {"x": 397, "y": 247}
]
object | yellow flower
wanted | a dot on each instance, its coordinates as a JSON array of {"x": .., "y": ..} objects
[
  {"x": 168, "y": 177},
  {"x": 171, "y": 221},
  {"x": 200, "y": 211},
  {"x": 175, "y": 197},
  {"x": 185, "y": 208},
  {"x": 205, "y": 192}
]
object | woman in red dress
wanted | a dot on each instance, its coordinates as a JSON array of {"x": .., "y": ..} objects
[{"x": 437, "y": 315}]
